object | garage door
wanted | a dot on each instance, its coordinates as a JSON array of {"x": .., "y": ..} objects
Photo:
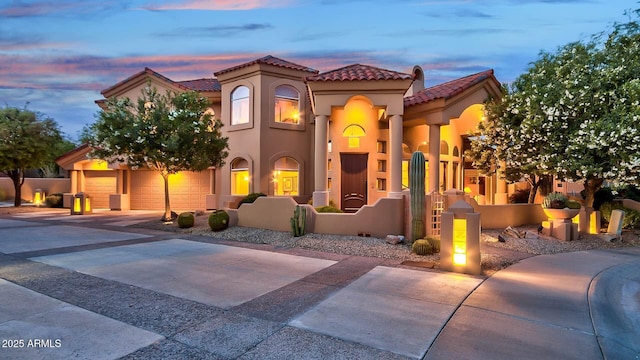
[
  {"x": 187, "y": 190},
  {"x": 98, "y": 185}
]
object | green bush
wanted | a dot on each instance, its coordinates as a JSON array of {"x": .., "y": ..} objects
[
  {"x": 328, "y": 209},
  {"x": 631, "y": 217},
  {"x": 629, "y": 192},
  {"x": 54, "y": 200},
  {"x": 572, "y": 204},
  {"x": 249, "y": 199},
  {"x": 519, "y": 197},
  {"x": 218, "y": 220},
  {"x": 186, "y": 220},
  {"x": 604, "y": 195}
]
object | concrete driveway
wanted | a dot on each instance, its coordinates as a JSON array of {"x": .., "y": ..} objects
[{"x": 92, "y": 288}]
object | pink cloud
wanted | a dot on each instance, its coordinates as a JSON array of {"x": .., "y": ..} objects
[{"x": 219, "y": 5}]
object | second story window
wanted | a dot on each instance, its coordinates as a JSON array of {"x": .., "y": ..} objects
[
  {"x": 287, "y": 108},
  {"x": 240, "y": 105}
]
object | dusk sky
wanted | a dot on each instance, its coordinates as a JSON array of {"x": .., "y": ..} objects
[{"x": 58, "y": 55}]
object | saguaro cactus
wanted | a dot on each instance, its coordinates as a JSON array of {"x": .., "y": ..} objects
[
  {"x": 416, "y": 188},
  {"x": 298, "y": 221}
]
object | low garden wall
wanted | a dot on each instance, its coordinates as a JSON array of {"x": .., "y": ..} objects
[
  {"x": 48, "y": 185},
  {"x": 501, "y": 216},
  {"x": 379, "y": 220},
  {"x": 631, "y": 204}
]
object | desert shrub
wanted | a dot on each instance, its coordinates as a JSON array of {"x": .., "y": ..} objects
[
  {"x": 629, "y": 192},
  {"x": 602, "y": 196},
  {"x": 186, "y": 220},
  {"x": 422, "y": 247},
  {"x": 519, "y": 197},
  {"x": 631, "y": 217},
  {"x": 249, "y": 199},
  {"x": 572, "y": 204},
  {"x": 218, "y": 220},
  {"x": 328, "y": 209},
  {"x": 54, "y": 200}
]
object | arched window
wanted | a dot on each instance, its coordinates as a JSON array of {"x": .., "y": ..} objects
[
  {"x": 240, "y": 177},
  {"x": 286, "y": 172},
  {"x": 287, "y": 109},
  {"x": 240, "y": 105},
  {"x": 424, "y": 148},
  {"x": 456, "y": 152},
  {"x": 354, "y": 133},
  {"x": 444, "y": 148}
]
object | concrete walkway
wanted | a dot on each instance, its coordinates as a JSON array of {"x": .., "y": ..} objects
[{"x": 89, "y": 287}]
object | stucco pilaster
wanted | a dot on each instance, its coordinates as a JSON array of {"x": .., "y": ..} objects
[
  {"x": 434, "y": 158},
  {"x": 320, "y": 193},
  {"x": 501, "y": 195},
  {"x": 395, "y": 155}
]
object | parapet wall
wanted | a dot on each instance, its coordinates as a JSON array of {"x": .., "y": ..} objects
[{"x": 379, "y": 220}]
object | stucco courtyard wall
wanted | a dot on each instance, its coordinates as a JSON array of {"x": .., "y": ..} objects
[
  {"x": 501, "y": 216},
  {"x": 274, "y": 213},
  {"x": 48, "y": 185}
]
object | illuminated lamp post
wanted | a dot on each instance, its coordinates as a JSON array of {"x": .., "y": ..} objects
[
  {"x": 80, "y": 204},
  {"x": 38, "y": 197},
  {"x": 460, "y": 239}
]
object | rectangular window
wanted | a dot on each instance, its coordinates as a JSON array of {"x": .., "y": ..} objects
[
  {"x": 240, "y": 113},
  {"x": 382, "y": 147},
  {"x": 382, "y": 165},
  {"x": 240, "y": 182},
  {"x": 381, "y": 184}
]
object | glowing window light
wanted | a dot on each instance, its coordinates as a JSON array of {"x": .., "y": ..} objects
[{"x": 459, "y": 241}]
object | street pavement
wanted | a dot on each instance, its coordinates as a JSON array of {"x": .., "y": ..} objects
[{"x": 92, "y": 287}]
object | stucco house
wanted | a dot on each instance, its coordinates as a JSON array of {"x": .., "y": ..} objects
[{"x": 344, "y": 136}]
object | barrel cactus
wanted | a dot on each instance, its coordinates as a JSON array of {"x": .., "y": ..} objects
[
  {"x": 218, "y": 220},
  {"x": 186, "y": 220},
  {"x": 416, "y": 188},
  {"x": 422, "y": 247}
]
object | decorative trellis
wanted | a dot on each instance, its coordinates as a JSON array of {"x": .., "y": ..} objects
[{"x": 437, "y": 206}]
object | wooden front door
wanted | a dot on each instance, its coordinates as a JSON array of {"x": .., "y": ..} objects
[{"x": 354, "y": 181}]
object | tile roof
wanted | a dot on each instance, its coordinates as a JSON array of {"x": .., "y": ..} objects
[
  {"x": 206, "y": 84},
  {"x": 359, "y": 72},
  {"x": 269, "y": 60},
  {"x": 448, "y": 89}
]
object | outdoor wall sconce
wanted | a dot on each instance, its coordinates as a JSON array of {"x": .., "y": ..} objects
[
  {"x": 38, "y": 197},
  {"x": 80, "y": 204},
  {"x": 460, "y": 239}
]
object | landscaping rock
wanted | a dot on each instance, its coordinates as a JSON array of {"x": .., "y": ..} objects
[{"x": 394, "y": 239}]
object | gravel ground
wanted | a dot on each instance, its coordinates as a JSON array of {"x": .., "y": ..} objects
[{"x": 496, "y": 255}]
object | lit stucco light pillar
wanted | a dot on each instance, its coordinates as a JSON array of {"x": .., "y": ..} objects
[
  {"x": 501, "y": 198},
  {"x": 395, "y": 155},
  {"x": 434, "y": 158},
  {"x": 320, "y": 193}
]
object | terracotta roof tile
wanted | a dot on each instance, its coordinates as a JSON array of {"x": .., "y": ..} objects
[
  {"x": 269, "y": 60},
  {"x": 448, "y": 89},
  {"x": 359, "y": 72},
  {"x": 207, "y": 84}
]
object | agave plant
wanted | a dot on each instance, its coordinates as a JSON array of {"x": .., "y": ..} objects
[{"x": 555, "y": 200}]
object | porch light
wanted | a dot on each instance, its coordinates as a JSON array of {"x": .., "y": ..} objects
[
  {"x": 460, "y": 239},
  {"x": 38, "y": 197},
  {"x": 81, "y": 204}
]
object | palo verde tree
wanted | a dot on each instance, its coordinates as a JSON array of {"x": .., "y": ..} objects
[
  {"x": 26, "y": 142},
  {"x": 167, "y": 133},
  {"x": 575, "y": 114}
]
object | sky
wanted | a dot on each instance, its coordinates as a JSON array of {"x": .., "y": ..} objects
[{"x": 57, "y": 56}]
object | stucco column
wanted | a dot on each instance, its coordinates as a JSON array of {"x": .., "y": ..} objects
[
  {"x": 501, "y": 196},
  {"x": 320, "y": 193},
  {"x": 395, "y": 156},
  {"x": 74, "y": 182},
  {"x": 434, "y": 158}
]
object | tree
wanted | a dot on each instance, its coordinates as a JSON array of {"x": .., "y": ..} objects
[
  {"x": 575, "y": 114},
  {"x": 26, "y": 140},
  {"x": 167, "y": 133}
]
